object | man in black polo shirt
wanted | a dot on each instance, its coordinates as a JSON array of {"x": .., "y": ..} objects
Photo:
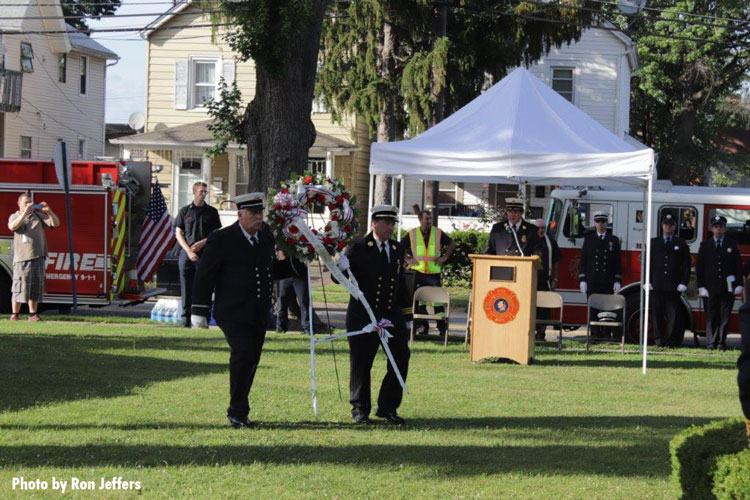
[{"x": 193, "y": 224}]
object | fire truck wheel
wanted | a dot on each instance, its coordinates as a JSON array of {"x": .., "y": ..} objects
[
  {"x": 633, "y": 320},
  {"x": 4, "y": 293}
]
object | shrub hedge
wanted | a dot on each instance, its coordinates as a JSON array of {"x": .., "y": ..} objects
[
  {"x": 457, "y": 271},
  {"x": 732, "y": 478},
  {"x": 695, "y": 452}
]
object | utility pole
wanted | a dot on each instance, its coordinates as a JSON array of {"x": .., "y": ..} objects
[{"x": 432, "y": 188}]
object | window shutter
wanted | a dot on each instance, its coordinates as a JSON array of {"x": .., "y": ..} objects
[
  {"x": 227, "y": 71},
  {"x": 180, "y": 83}
]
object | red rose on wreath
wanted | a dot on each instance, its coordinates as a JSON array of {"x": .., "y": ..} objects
[
  {"x": 334, "y": 216},
  {"x": 310, "y": 248},
  {"x": 303, "y": 239},
  {"x": 308, "y": 179},
  {"x": 293, "y": 229},
  {"x": 345, "y": 194},
  {"x": 339, "y": 199},
  {"x": 342, "y": 244},
  {"x": 327, "y": 240},
  {"x": 290, "y": 241},
  {"x": 285, "y": 191}
]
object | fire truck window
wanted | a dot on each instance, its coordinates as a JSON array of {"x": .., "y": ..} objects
[
  {"x": 579, "y": 218},
  {"x": 553, "y": 223},
  {"x": 686, "y": 218},
  {"x": 738, "y": 223}
]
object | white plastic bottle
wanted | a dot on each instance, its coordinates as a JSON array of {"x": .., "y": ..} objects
[{"x": 156, "y": 312}]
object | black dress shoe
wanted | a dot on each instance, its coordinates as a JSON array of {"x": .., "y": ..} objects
[
  {"x": 710, "y": 347},
  {"x": 238, "y": 423},
  {"x": 361, "y": 419},
  {"x": 391, "y": 416},
  {"x": 722, "y": 347}
]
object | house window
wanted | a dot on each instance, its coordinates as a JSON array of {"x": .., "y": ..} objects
[
  {"x": 447, "y": 197},
  {"x": 539, "y": 191},
  {"x": 27, "y": 58},
  {"x": 562, "y": 82},
  {"x": 83, "y": 73},
  {"x": 82, "y": 148},
  {"x": 204, "y": 81},
  {"x": 243, "y": 175},
  {"x": 25, "y": 146},
  {"x": 62, "y": 68},
  {"x": 319, "y": 106}
]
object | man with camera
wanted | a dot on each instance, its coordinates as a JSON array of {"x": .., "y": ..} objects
[{"x": 29, "y": 253}]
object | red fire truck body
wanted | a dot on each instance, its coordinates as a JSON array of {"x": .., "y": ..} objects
[
  {"x": 570, "y": 217},
  {"x": 101, "y": 225}
]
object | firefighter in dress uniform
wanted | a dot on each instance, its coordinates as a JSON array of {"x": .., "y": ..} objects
[
  {"x": 239, "y": 265},
  {"x": 670, "y": 273},
  {"x": 513, "y": 236},
  {"x": 423, "y": 247},
  {"x": 743, "y": 364},
  {"x": 600, "y": 269},
  {"x": 376, "y": 263},
  {"x": 717, "y": 271}
]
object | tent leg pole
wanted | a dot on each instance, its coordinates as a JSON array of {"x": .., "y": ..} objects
[
  {"x": 370, "y": 197},
  {"x": 648, "y": 273}
]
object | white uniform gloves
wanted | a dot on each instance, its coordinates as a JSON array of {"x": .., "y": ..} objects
[
  {"x": 616, "y": 287},
  {"x": 738, "y": 290},
  {"x": 198, "y": 321},
  {"x": 583, "y": 287},
  {"x": 681, "y": 288},
  {"x": 702, "y": 292}
]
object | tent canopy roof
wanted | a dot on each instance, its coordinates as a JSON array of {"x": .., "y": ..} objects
[{"x": 519, "y": 130}]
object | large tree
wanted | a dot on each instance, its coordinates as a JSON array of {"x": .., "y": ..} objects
[
  {"x": 384, "y": 61},
  {"x": 695, "y": 57},
  {"x": 282, "y": 39},
  {"x": 82, "y": 9}
]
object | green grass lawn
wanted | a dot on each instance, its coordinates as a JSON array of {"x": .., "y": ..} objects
[
  {"x": 335, "y": 293},
  {"x": 147, "y": 404}
]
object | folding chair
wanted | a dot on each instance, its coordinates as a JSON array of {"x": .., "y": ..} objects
[
  {"x": 606, "y": 303},
  {"x": 551, "y": 301},
  {"x": 432, "y": 294}
]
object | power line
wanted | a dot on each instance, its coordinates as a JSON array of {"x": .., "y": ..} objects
[
  {"x": 655, "y": 9},
  {"x": 114, "y": 16},
  {"x": 118, "y": 30}
]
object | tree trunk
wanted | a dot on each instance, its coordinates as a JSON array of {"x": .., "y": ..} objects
[
  {"x": 278, "y": 129},
  {"x": 387, "y": 123},
  {"x": 680, "y": 169}
]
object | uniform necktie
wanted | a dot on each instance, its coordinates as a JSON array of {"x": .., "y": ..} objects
[
  {"x": 384, "y": 253},
  {"x": 667, "y": 240},
  {"x": 253, "y": 240},
  {"x": 601, "y": 237},
  {"x": 718, "y": 244}
]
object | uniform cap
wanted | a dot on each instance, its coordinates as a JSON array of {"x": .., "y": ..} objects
[
  {"x": 513, "y": 203},
  {"x": 601, "y": 216},
  {"x": 539, "y": 223},
  {"x": 668, "y": 219},
  {"x": 384, "y": 212},
  {"x": 718, "y": 220},
  {"x": 249, "y": 201}
]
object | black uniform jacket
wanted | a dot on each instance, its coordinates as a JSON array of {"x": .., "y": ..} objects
[
  {"x": 713, "y": 268},
  {"x": 382, "y": 284},
  {"x": 600, "y": 260},
  {"x": 240, "y": 273},
  {"x": 502, "y": 242},
  {"x": 670, "y": 264}
]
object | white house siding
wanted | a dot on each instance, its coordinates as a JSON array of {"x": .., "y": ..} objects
[
  {"x": 51, "y": 110},
  {"x": 601, "y": 76}
]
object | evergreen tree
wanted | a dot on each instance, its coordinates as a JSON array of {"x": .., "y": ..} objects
[{"x": 382, "y": 61}]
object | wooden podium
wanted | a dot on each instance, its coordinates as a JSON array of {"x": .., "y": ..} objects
[{"x": 503, "y": 298}]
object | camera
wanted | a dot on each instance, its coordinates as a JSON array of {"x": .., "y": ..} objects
[{"x": 37, "y": 206}]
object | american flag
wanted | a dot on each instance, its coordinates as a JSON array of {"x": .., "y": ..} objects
[{"x": 157, "y": 236}]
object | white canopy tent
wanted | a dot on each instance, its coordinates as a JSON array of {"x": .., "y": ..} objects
[{"x": 522, "y": 131}]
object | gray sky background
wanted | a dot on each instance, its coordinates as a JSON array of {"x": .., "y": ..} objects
[{"x": 126, "y": 81}]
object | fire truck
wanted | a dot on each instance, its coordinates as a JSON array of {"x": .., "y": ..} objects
[
  {"x": 107, "y": 200},
  {"x": 569, "y": 217}
]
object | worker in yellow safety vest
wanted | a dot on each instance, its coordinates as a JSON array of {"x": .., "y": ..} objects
[{"x": 427, "y": 248}]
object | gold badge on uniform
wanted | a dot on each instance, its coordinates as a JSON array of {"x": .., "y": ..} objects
[
  {"x": 393, "y": 247},
  {"x": 523, "y": 239},
  {"x": 370, "y": 243}
]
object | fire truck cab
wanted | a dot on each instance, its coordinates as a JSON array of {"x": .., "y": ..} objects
[
  {"x": 569, "y": 218},
  {"x": 108, "y": 201}
]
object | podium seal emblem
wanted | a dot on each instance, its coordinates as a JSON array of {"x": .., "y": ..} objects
[{"x": 501, "y": 305}]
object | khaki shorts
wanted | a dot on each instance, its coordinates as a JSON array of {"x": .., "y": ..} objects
[{"x": 28, "y": 280}]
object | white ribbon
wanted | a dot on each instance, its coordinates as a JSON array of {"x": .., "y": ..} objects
[{"x": 351, "y": 285}]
